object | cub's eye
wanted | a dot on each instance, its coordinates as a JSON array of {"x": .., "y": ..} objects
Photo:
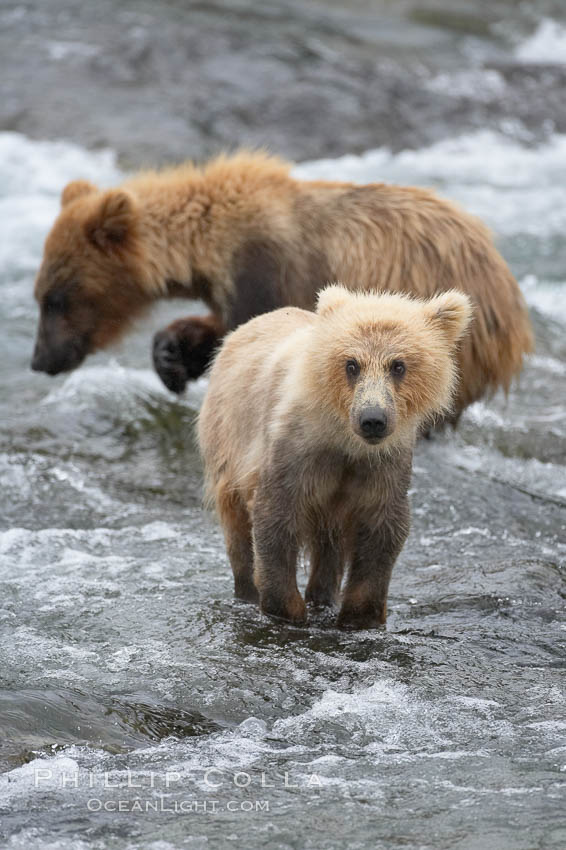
[
  {"x": 55, "y": 302},
  {"x": 352, "y": 368},
  {"x": 398, "y": 368}
]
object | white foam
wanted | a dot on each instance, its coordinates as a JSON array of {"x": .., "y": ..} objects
[
  {"x": 25, "y": 545},
  {"x": 549, "y": 297},
  {"x": 106, "y": 383},
  {"x": 364, "y": 703},
  {"x": 26, "y": 483},
  {"x": 22, "y": 477},
  {"x": 548, "y": 364},
  {"x": 32, "y": 176},
  {"x": 394, "y": 722},
  {"x": 515, "y": 189},
  {"x": 531, "y": 474},
  {"x": 158, "y": 530},
  {"x": 478, "y": 83},
  {"x": 35, "y": 839},
  {"x": 546, "y": 44},
  {"x": 39, "y": 775},
  {"x": 58, "y": 50},
  {"x": 32, "y": 168}
]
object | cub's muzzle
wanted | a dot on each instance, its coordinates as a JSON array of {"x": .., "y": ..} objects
[{"x": 374, "y": 424}]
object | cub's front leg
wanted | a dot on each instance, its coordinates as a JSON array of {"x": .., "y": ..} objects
[
  {"x": 276, "y": 550},
  {"x": 364, "y": 604}
]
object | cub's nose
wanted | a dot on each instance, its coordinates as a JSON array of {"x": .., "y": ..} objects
[{"x": 373, "y": 423}]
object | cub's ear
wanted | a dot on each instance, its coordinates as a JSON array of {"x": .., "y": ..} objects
[
  {"x": 331, "y": 298},
  {"x": 76, "y": 189},
  {"x": 450, "y": 313},
  {"x": 113, "y": 220}
]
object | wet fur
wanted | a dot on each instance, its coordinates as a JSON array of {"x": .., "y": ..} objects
[
  {"x": 284, "y": 465},
  {"x": 246, "y": 237}
]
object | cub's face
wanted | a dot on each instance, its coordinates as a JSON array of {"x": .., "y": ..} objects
[
  {"x": 373, "y": 386},
  {"x": 387, "y": 360},
  {"x": 85, "y": 286}
]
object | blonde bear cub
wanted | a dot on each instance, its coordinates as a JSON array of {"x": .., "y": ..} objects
[{"x": 307, "y": 433}]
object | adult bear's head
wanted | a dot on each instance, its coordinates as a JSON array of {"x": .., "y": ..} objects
[{"x": 88, "y": 286}]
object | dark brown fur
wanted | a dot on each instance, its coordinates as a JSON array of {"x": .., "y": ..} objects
[
  {"x": 192, "y": 342},
  {"x": 338, "y": 530}
]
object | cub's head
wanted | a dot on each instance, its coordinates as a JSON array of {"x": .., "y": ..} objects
[
  {"x": 88, "y": 284},
  {"x": 384, "y": 363}
]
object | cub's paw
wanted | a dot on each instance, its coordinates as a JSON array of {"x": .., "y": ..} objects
[
  {"x": 320, "y": 597},
  {"x": 246, "y": 591},
  {"x": 293, "y": 610},
  {"x": 168, "y": 360},
  {"x": 361, "y": 618}
]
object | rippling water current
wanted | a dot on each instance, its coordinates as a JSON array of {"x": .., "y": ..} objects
[{"x": 141, "y": 706}]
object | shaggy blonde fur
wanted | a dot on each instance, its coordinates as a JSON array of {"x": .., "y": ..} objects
[{"x": 281, "y": 403}]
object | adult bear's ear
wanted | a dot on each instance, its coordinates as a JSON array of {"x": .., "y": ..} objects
[
  {"x": 76, "y": 189},
  {"x": 450, "y": 313},
  {"x": 331, "y": 298},
  {"x": 113, "y": 220}
]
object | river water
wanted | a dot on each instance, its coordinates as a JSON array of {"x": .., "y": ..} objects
[{"x": 141, "y": 706}]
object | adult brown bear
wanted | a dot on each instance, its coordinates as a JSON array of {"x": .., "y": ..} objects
[{"x": 245, "y": 237}]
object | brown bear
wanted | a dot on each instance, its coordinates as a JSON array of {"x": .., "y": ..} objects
[
  {"x": 245, "y": 237},
  {"x": 307, "y": 433}
]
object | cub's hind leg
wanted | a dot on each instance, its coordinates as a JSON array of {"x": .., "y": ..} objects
[{"x": 238, "y": 536}]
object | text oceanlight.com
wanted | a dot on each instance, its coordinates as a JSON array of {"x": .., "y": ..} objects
[{"x": 184, "y": 807}]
